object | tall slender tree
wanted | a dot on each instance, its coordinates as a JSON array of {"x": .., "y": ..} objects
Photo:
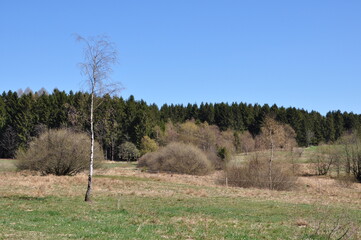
[
  {"x": 99, "y": 56},
  {"x": 274, "y": 135}
]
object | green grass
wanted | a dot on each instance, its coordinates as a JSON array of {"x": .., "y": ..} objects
[
  {"x": 131, "y": 217},
  {"x": 134, "y": 217},
  {"x": 279, "y": 156},
  {"x": 307, "y": 154},
  {"x": 7, "y": 165},
  {"x": 124, "y": 178},
  {"x": 112, "y": 164}
]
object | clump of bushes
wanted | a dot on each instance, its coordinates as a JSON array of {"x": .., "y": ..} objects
[
  {"x": 58, "y": 152},
  {"x": 128, "y": 152},
  {"x": 177, "y": 157},
  {"x": 148, "y": 145},
  {"x": 216, "y": 144},
  {"x": 255, "y": 174}
]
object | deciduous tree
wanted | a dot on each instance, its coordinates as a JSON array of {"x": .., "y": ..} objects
[
  {"x": 99, "y": 56},
  {"x": 275, "y": 135}
]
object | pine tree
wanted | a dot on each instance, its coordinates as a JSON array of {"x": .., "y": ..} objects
[
  {"x": 223, "y": 116},
  {"x": 330, "y": 130},
  {"x": 339, "y": 124}
]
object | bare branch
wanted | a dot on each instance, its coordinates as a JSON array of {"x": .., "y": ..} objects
[{"x": 100, "y": 55}]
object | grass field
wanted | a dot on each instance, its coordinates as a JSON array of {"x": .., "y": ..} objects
[
  {"x": 299, "y": 155},
  {"x": 7, "y": 165},
  {"x": 130, "y": 204}
]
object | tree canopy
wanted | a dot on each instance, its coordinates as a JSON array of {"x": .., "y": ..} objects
[{"x": 119, "y": 120}]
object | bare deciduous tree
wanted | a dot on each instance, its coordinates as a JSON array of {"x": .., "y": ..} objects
[
  {"x": 275, "y": 136},
  {"x": 270, "y": 130},
  {"x": 99, "y": 56}
]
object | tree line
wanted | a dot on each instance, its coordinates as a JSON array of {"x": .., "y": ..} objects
[{"x": 25, "y": 115}]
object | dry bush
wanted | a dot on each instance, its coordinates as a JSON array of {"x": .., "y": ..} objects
[
  {"x": 351, "y": 148},
  {"x": 177, "y": 158},
  {"x": 324, "y": 158},
  {"x": 345, "y": 181},
  {"x": 275, "y": 135},
  {"x": 256, "y": 174},
  {"x": 206, "y": 137},
  {"x": 331, "y": 226},
  {"x": 247, "y": 142},
  {"x": 217, "y": 162},
  {"x": 58, "y": 152}
]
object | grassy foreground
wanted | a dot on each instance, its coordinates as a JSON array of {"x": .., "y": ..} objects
[
  {"x": 132, "y": 217},
  {"x": 139, "y": 206}
]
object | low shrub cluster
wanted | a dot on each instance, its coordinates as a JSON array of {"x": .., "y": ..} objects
[
  {"x": 217, "y": 145},
  {"x": 58, "y": 152},
  {"x": 128, "y": 152},
  {"x": 255, "y": 174},
  {"x": 177, "y": 157},
  {"x": 341, "y": 159},
  {"x": 148, "y": 145}
]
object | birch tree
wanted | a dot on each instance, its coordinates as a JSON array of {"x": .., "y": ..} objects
[
  {"x": 99, "y": 56},
  {"x": 275, "y": 136},
  {"x": 270, "y": 129}
]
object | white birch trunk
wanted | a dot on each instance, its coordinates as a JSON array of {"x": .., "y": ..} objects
[
  {"x": 270, "y": 163},
  {"x": 91, "y": 163}
]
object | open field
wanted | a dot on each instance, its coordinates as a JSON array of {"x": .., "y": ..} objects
[
  {"x": 299, "y": 155},
  {"x": 130, "y": 204},
  {"x": 7, "y": 165}
]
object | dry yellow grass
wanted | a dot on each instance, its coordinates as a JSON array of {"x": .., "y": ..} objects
[
  {"x": 129, "y": 181},
  {"x": 309, "y": 189}
]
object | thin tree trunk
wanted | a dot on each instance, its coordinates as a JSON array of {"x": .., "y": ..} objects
[
  {"x": 270, "y": 165},
  {"x": 293, "y": 160},
  {"x": 90, "y": 177},
  {"x": 348, "y": 160},
  {"x": 112, "y": 148}
]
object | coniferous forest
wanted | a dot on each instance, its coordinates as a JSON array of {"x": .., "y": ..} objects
[{"x": 23, "y": 116}]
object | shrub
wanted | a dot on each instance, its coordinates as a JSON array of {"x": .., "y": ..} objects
[
  {"x": 256, "y": 174},
  {"x": 345, "y": 181},
  {"x": 128, "y": 152},
  {"x": 206, "y": 137},
  {"x": 177, "y": 158},
  {"x": 247, "y": 142},
  {"x": 324, "y": 158},
  {"x": 351, "y": 148},
  {"x": 275, "y": 135},
  {"x": 223, "y": 153},
  {"x": 215, "y": 160},
  {"x": 148, "y": 145},
  {"x": 58, "y": 152},
  {"x": 223, "y": 156}
]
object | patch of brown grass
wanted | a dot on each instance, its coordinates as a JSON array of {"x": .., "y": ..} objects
[
  {"x": 301, "y": 223},
  {"x": 310, "y": 190},
  {"x": 129, "y": 181},
  {"x": 26, "y": 183},
  {"x": 305, "y": 169}
]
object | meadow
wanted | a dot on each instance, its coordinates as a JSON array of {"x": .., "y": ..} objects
[{"x": 132, "y": 204}]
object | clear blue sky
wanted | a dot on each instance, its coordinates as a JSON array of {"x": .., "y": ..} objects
[{"x": 302, "y": 53}]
